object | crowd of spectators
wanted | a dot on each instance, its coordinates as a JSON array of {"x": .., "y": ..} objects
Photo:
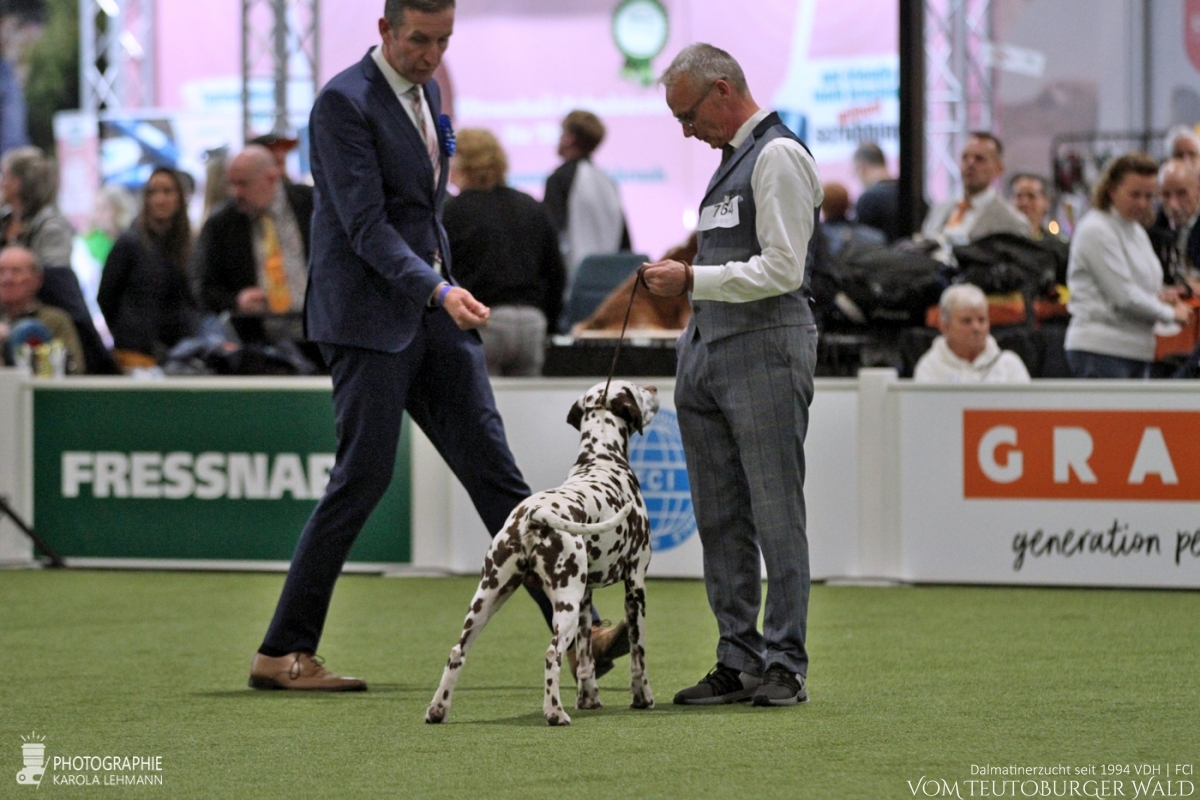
[
  {"x": 1127, "y": 273},
  {"x": 1125, "y": 278}
]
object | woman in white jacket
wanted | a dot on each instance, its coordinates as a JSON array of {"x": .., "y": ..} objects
[{"x": 1115, "y": 280}]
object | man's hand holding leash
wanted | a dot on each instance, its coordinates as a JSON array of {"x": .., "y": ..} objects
[{"x": 667, "y": 278}]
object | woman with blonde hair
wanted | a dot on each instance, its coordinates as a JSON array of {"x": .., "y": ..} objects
[
  {"x": 1115, "y": 279},
  {"x": 504, "y": 250}
]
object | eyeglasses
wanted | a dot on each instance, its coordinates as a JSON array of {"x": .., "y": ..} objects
[{"x": 688, "y": 118}]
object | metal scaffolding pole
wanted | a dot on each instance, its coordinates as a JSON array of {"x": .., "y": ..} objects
[
  {"x": 280, "y": 66},
  {"x": 116, "y": 62},
  {"x": 958, "y": 86}
]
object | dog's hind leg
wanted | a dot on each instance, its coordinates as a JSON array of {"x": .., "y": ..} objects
[
  {"x": 565, "y": 578},
  {"x": 501, "y": 577},
  {"x": 635, "y": 616},
  {"x": 588, "y": 693}
]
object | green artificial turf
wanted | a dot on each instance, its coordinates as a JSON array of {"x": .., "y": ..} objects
[{"x": 905, "y": 682}]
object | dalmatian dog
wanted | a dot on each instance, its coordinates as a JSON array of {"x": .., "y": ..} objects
[{"x": 591, "y": 531}]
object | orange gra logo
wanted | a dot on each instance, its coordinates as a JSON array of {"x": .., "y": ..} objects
[{"x": 1081, "y": 455}]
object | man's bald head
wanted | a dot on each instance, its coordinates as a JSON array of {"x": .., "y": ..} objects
[
  {"x": 253, "y": 180},
  {"x": 1179, "y": 184}
]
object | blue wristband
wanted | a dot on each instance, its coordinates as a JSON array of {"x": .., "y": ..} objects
[{"x": 442, "y": 294}]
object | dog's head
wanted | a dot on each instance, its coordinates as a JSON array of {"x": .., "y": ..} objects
[{"x": 635, "y": 404}]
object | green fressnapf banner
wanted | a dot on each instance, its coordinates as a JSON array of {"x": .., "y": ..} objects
[{"x": 227, "y": 474}]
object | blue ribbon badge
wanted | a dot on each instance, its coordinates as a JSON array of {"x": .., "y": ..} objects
[{"x": 447, "y": 129}]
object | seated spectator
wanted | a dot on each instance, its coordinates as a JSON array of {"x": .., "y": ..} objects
[
  {"x": 252, "y": 254},
  {"x": 20, "y": 279},
  {"x": 1115, "y": 279},
  {"x": 1174, "y": 234},
  {"x": 1183, "y": 142},
  {"x": 1031, "y": 197},
  {"x": 31, "y": 219},
  {"x": 879, "y": 203},
  {"x": 504, "y": 250},
  {"x": 836, "y": 226},
  {"x": 980, "y": 211},
  {"x": 966, "y": 352},
  {"x": 145, "y": 292}
]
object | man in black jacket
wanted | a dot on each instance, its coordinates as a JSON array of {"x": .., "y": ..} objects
[
  {"x": 252, "y": 254},
  {"x": 1175, "y": 234}
]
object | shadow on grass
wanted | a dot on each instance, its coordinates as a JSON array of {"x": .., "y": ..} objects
[
  {"x": 618, "y": 714},
  {"x": 374, "y": 688}
]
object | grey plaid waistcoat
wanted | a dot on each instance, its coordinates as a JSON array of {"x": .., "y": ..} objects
[{"x": 730, "y": 187}]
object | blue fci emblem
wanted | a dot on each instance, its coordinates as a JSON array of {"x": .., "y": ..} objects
[{"x": 657, "y": 459}]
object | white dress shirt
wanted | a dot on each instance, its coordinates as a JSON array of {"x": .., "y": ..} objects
[
  {"x": 960, "y": 233},
  {"x": 787, "y": 192},
  {"x": 400, "y": 85}
]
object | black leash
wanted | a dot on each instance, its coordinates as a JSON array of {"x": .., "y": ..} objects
[{"x": 617, "y": 354}]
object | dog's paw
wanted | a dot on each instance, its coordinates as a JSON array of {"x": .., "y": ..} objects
[
  {"x": 435, "y": 713},
  {"x": 557, "y": 719},
  {"x": 588, "y": 702},
  {"x": 643, "y": 700}
]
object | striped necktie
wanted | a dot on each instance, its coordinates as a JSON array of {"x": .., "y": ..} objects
[{"x": 428, "y": 135}]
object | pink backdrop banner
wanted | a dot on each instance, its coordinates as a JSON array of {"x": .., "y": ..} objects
[{"x": 517, "y": 66}]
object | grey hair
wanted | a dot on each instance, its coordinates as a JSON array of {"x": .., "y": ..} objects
[
  {"x": 1176, "y": 133},
  {"x": 704, "y": 64},
  {"x": 961, "y": 294},
  {"x": 1177, "y": 163},
  {"x": 38, "y": 174},
  {"x": 393, "y": 10}
]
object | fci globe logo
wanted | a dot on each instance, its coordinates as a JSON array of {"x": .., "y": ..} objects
[{"x": 657, "y": 459}]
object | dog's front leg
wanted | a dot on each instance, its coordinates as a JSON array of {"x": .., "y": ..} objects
[
  {"x": 635, "y": 616},
  {"x": 588, "y": 692}
]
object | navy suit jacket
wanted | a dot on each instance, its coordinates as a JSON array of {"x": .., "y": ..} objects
[{"x": 376, "y": 214}]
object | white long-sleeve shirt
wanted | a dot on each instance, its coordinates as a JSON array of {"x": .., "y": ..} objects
[
  {"x": 787, "y": 192},
  {"x": 1114, "y": 279}
]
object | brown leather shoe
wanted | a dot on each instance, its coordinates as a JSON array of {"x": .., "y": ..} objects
[
  {"x": 300, "y": 671},
  {"x": 609, "y": 642}
]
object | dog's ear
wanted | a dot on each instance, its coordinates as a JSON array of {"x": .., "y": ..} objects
[
  {"x": 575, "y": 416},
  {"x": 625, "y": 406}
]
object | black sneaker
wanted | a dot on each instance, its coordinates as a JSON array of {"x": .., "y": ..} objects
[
  {"x": 780, "y": 688},
  {"x": 722, "y": 685}
]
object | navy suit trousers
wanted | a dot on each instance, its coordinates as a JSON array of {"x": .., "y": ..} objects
[{"x": 441, "y": 380}]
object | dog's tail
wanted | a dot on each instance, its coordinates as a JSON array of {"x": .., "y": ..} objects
[{"x": 580, "y": 528}]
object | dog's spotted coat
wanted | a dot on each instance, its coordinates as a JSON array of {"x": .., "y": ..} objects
[{"x": 591, "y": 531}]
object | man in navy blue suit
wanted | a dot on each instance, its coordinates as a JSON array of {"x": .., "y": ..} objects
[{"x": 396, "y": 331}]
